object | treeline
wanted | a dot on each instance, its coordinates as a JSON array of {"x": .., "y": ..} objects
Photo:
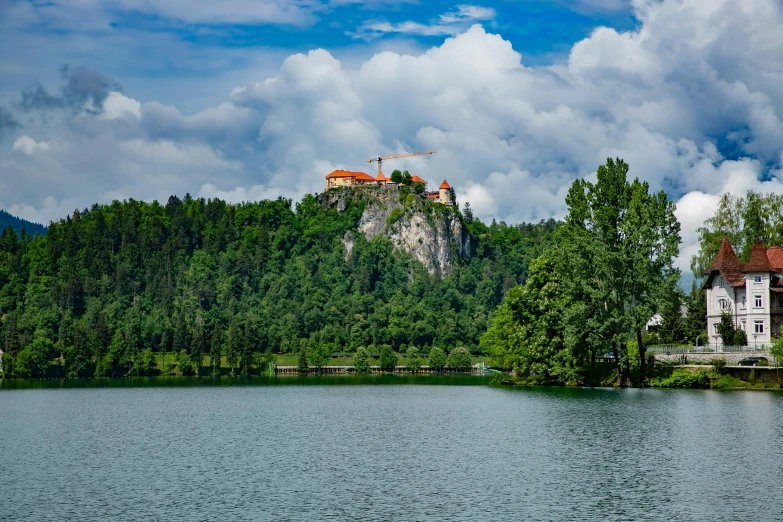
[
  {"x": 21, "y": 226},
  {"x": 108, "y": 287}
]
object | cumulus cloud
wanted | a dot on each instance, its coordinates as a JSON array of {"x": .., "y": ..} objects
[
  {"x": 28, "y": 145},
  {"x": 690, "y": 99}
]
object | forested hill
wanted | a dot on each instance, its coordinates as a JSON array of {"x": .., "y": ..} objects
[
  {"x": 19, "y": 224},
  {"x": 116, "y": 281}
]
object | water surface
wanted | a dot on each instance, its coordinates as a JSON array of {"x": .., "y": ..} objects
[{"x": 355, "y": 450}]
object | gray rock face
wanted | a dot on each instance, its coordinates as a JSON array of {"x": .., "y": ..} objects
[{"x": 432, "y": 233}]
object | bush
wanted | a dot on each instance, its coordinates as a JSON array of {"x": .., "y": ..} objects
[
  {"x": 393, "y": 217},
  {"x": 740, "y": 338},
  {"x": 719, "y": 365},
  {"x": 683, "y": 379},
  {"x": 185, "y": 364},
  {"x": 458, "y": 359}
]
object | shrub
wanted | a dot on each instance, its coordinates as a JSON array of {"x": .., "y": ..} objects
[
  {"x": 719, "y": 365},
  {"x": 393, "y": 217},
  {"x": 740, "y": 338},
  {"x": 185, "y": 364},
  {"x": 683, "y": 379}
]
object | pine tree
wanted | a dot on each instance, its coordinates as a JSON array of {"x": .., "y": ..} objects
[
  {"x": 233, "y": 346},
  {"x": 198, "y": 346},
  {"x": 215, "y": 350},
  {"x": 672, "y": 328}
]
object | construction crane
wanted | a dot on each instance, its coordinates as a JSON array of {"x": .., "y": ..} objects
[{"x": 380, "y": 159}]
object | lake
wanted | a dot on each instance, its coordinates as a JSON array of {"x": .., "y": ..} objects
[{"x": 386, "y": 448}]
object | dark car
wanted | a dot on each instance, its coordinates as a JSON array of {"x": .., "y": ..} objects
[{"x": 752, "y": 361}]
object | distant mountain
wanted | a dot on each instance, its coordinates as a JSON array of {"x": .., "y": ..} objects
[{"x": 7, "y": 219}]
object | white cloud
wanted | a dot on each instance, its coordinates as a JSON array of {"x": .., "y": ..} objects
[
  {"x": 28, "y": 145},
  {"x": 117, "y": 106},
  {"x": 510, "y": 138},
  {"x": 450, "y": 23}
]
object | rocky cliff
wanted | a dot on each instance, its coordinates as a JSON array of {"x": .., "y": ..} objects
[{"x": 432, "y": 233}]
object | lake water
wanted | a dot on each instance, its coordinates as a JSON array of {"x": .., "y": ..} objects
[{"x": 343, "y": 449}]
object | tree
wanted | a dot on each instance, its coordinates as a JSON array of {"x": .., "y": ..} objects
[
  {"x": 726, "y": 328},
  {"x": 412, "y": 361},
  {"x": 396, "y": 176},
  {"x": 198, "y": 346},
  {"x": 233, "y": 346},
  {"x": 459, "y": 359},
  {"x": 318, "y": 355},
  {"x": 185, "y": 363},
  {"x": 302, "y": 366},
  {"x": 407, "y": 179},
  {"x": 467, "y": 213},
  {"x": 776, "y": 351},
  {"x": 672, "y": 327},
  {"x": 621, "y": 243},
  {"x": 740, "y": 338},
  {"x": 418, "y": 187},
  {"x": 215, "y": 350},
  {"x": 388, "y": 359},
  {"x": 437, "y": 359},
  {"x": 361, "y": 361},
  {"x": 696, "y": 319}
]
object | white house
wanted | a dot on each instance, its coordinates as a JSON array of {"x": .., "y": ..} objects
[{"x": 751, "y": 292}]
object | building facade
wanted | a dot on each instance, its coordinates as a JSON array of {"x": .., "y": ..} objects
[
  {"x": 345, "y": 178},
  {"x": 751, "y": 292}
]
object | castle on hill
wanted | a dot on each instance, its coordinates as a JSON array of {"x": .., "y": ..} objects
[{"x": 345, "y": 178}]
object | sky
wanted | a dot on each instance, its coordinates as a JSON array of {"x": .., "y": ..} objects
[{"x": 246, "y": 100}]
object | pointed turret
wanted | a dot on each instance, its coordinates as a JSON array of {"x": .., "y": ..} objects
[
  {"x": 726, "y": 262},
  {"x": 758, "y": 262}
]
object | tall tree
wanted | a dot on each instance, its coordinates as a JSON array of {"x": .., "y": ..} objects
[
  {"x": 215, "y": 350},
  {"x": 198, "y": 346}
]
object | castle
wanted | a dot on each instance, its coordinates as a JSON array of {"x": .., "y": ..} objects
[
  {"x": 751, "y": 292},
  {"x": 345, "y": 178}
]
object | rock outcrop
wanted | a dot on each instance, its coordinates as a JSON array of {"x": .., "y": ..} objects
[{"x": 432, "y": 233}]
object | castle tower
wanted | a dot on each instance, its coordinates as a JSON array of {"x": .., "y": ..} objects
[{"x": 445, "y": 193}]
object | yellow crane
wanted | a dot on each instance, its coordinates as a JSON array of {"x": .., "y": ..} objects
[{"x": 380, "y": 159}]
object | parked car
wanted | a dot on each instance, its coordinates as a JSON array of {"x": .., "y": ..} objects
[{"x": 753, "y": 361}]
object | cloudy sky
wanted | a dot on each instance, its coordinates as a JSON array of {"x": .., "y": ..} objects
[{"x": 249, "y": 99}]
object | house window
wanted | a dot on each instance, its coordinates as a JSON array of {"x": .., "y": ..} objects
[
  {"x": 721, "y": 281},
  {"x": 757, "y": 301},
  {"x": 743, "y": 301},
  {"x": 715, "y": 326},
  {"x": 780, "y": 301},
  {"x": 756, "y": 279},
  {"x": 723, "y": 303},
  {"x": 742, "y": 324},
  {"x": 758, "y": 327}
]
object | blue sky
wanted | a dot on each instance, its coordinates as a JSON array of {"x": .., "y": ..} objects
[
  {"x": 154, "y": 50},
  {"x": 250, "y": 99}
]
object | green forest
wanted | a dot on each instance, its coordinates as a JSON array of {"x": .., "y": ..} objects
[{"x": 108, "y": 289}]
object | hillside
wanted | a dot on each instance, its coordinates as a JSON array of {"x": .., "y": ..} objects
[
  {"x": 107, "y": 284},
  {"x": 7, "y": 220}
]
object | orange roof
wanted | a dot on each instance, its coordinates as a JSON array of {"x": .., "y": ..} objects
[
  {"x": 445, "y": 185},
  {"x": 381, "y": 177},
  {"x": 758, "y": 262},
  {"x": 347, "y": 174},
  {"x": 775, "y": 256},
  {"x": 727, "y": 263},
  {"x": 417, "y": 179}
]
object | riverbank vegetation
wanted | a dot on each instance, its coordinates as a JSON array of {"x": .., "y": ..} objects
[{"x": 109, "y": 289}]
